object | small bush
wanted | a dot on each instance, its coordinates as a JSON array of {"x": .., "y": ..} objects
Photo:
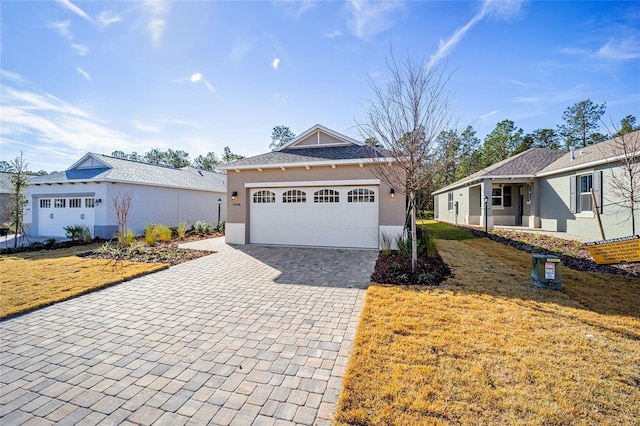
[
  {"x": 150, "y": 235},
  {"x": 221, "y": 226},
  {"x": 163, "y": 232},
  {"x": 78, "y": 233},
  {"x": 385, "y": 243},
  {"x": 181, "y": 230},
  {"x": 203, "y": 228},
  {"x": 125, "y": 238}
]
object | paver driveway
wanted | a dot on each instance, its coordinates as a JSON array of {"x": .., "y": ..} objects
[{"x": 249, "y": 335}]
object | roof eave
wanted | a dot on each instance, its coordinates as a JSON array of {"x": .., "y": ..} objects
[{"x": 311, "y": 163}]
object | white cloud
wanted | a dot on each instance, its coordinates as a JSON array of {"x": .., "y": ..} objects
[
  {"x": 106, "y": 18},
  {"x": 145, "y": 127},
  {"x": 83, "y": 73},
  {"x": 80, "y": 49},
  {"x": 369, "y": 18},
  {"x": 196, "y": 77},
  {"x": 275, "y": 63},
  {"x": 503, "y": 9},
  {"x": 75, "y": 9},
  {"x": 62, "y": 27},
  {"x": 620, "y": 50},
  {"x": 333, "y": 34},
  {"x": 13, "y": 76},
  {"x": 209, "y": 86},
  {"x": 489, "y": 114},
  {"x": 295, "y": 8},
  {"x": 158, "y": 11}
]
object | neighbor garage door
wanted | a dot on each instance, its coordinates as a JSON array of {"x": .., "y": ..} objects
[
  {"x": 54, "y": 213},
  {"x": 315, "y": 216}
]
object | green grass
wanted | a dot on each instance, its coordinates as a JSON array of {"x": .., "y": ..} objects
[{"x": 444, "y": 231}]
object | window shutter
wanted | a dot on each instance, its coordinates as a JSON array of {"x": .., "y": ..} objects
[
  {"x": 597, "y": 188},
  {"x": 572, "y": 194}
]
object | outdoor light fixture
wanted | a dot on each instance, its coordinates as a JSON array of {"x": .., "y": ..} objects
[
  {"x": 486, "y": 204},
  {"x": 392, "y": 193},
  {"x": 98, "y": 200},
  {"x": 219, "y": 204},
  {"x": 234, "y": 194}
]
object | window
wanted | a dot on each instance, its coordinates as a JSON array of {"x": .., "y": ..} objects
[
  {"x": 59, "y": 203},
  {"x": 496, "y": 197},
  {"x": 450, "y": 201},
  {"x": 585, "y": 202},
  {"x": 264, "y": 197},
  {"x": 75, "y": 203},
  {"x": 90, "y": 202},
  {"x": 506, "y": 196},
  {"x": 294, "y": 196},
  {"x": 326, "y": 196},
  {"x": 45, "y": 203},
  {"x": 361, "y": 195}
]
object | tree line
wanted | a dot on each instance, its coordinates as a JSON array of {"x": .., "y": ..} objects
[{"x": 178, "y": 159}]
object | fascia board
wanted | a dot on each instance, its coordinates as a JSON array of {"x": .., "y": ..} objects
[{"x": 347, "y": 162}]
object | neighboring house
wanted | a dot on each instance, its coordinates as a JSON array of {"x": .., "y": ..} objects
[
  {"x": 317, "y": 190},
  {"x": 84, "y": 195},
  {"x": 544, "y": 189},
  {"x": 6, "y": 188}
]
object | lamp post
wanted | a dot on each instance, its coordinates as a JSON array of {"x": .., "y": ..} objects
[
  {"x": 219, "y": 204},
  {"x": 486, "y": 208}
]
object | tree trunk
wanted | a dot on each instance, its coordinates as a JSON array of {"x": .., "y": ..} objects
[{"x": 414, "y": 236}]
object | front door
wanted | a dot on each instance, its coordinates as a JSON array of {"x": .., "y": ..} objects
[{"x": 520, "y": 211}]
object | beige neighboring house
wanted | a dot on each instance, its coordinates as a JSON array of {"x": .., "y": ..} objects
[
  {"x": 317, "y": 190},
  {"x": 547, "y": 190}
]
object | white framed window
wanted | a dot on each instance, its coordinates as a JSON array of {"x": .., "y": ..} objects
[
  {"x": 294, "y": 196},
  {"x": 450, "y": 201},
  {"x": 326, "y": 196},
  {"x": 59, "y": 203},
  {"x": 90, "y": 202},
  {"x": 580, "y": 198},
  {"x": 361, "y": 195},
  {"x": 496, "y": 196},
  {"x": 264, "y": 197},
  {"x": 75, "y": 203},
  {"x": 585, "y": 202},
  {"x": 45, "y": 203}
]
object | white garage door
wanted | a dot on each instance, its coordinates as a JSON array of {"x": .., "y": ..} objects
[
  {"x": 344, "y": 216},
  {"x": 54, "y": 213}
]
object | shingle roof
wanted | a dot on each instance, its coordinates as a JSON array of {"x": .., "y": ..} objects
[
  {"x": 308, "y": 155},
  {"x": 593, "y": 153},
  {"x": 525, "y": 164},
  {"x": 120, "y": 170}
]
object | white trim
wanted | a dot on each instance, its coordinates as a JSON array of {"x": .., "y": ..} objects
[
  {"x": 354, "y": 182},
  {"x": 318, "y": 128},
  {"x": 348, "y": 162},
  {"x": 234, "y": 233},
  {"x": 85, "y": 158}
]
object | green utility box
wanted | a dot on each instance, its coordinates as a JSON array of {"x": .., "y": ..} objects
[{"x": 546, "y": 272}]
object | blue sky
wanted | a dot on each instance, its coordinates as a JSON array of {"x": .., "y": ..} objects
[{"x": 196, "y": 75}]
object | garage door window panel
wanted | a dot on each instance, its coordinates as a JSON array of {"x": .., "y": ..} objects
[
  {"x": 361, "y": 195},
  {"x": 45, "y": 203},
  {"x": 59, "y": 203},
  {"x": 294, "y": 196},
  {"x": 261, "y": 197},
  {"x": 89, "y": 203},
  {"x": 326, "y": 196},
  {"x": 75, "y": 203}
]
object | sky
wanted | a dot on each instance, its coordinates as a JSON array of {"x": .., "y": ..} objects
[{"x": 98, "y": 76}]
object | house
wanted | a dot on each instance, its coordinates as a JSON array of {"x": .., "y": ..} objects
[
  {"x": 547, "y": 190},
  {"x": 6, "y": 188},
  {"x": 84, "y": 194},
  {"x": 317, "y": 190}
]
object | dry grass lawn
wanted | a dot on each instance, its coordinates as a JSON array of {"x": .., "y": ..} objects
[
  {"x": 488, "y": 347},
  {"x": 36, "y": 279}
]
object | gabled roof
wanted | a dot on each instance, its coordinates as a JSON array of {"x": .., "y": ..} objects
[
  {"x": 102, "y": 168},
  {"x": 523, "y": 165},
  {"x": 592, "y": 155},
  {"x": 331, "y": 148}
]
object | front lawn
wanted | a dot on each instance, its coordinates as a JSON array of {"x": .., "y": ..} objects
[
  {"x": 35, "y": 279},
  {"x": 487, "y": 347}
]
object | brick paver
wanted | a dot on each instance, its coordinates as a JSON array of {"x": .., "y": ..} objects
[{"x": 249, "y": 335}]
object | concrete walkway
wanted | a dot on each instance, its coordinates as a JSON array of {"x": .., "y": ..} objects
[{"x": 249, "y": 335}]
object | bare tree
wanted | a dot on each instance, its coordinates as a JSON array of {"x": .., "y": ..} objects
[
  {"x": 19, "y": 182},
  {"x": 625, "y": 174},
  {"x": 122, "y": 206},
  {"x": 405, "y": 117}
]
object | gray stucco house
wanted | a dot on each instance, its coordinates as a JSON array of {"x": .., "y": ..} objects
[
  {"x": 6, "y": 188},
  {"x": 84, "y": 194},
  {"x": 547, "y": 190}
]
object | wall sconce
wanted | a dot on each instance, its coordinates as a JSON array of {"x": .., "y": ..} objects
[
  {"x": 392, "y": 193},
  {"x": 98, "y": 200},
  {"x": 234, "y": 194}
]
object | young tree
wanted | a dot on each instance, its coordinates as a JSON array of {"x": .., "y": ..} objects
[
  {"x": 501, "y": 143},
  {"x": 208, "y": 162},
  {"x": 121, "y": 206},
  {"x": 406, "y": 116},
  {"x": 627, "y": 125},
  {"x": 281, "y": 135},
  {"x": 19, "y": 182},
  {"x": 582, "y": 124},
  {"x": 229, "y": 156}
]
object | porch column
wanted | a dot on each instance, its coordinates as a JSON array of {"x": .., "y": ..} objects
[{"x": 485, "y": 191}]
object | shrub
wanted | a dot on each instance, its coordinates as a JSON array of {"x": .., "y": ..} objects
[
  {"x": 182, "y": 230},
  {"x": 385, "y": 243},
  {"x": 163, "y": 232},
  {"x": 125, "y": 238},
  {"x": 150, "y": 235},
  {"x": 221, "y": 227},
  {"x": 202, "y": 228},
  {"x": 78, "y": 233}
]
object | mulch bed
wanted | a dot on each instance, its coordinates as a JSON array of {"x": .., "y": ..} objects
[{"x": 395, "y": 268}]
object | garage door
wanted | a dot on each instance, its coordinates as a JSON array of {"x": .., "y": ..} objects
[
  {"x": 315, "y": 216},
  {"x": 55, "y": 213}
]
